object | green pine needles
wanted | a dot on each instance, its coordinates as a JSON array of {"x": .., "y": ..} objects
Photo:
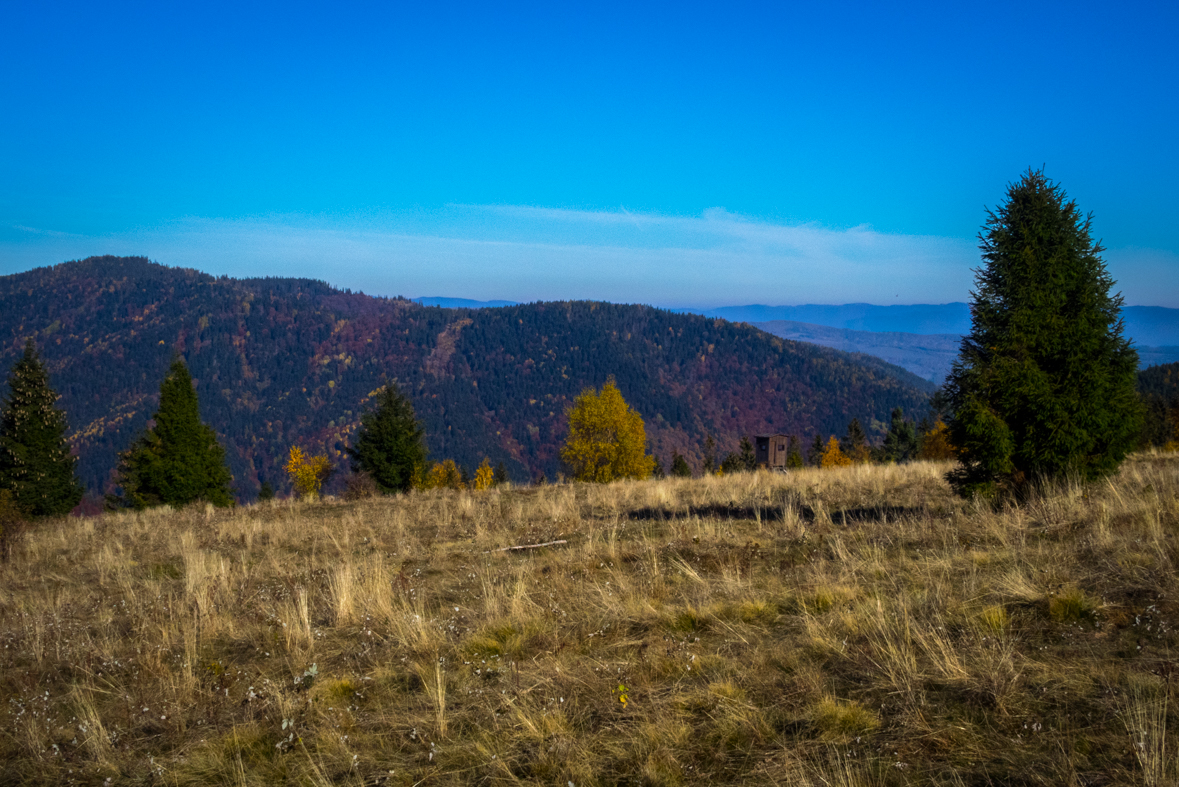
[
  {"x": 1044, "y": 384},
  {"x": 36, "y": 465},
  {"x": 178, "y": 461},
  {"x": 390, "y": 442}
]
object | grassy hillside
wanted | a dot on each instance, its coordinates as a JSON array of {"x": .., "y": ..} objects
[
  {"x": 841, "y": 627},
  {"x": 288, "y": 361}
]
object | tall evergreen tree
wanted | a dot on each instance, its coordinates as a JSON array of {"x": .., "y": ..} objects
[
  {"x": 36, "y": 465},
  {"x": 179, "y": 460},
  {"x": 1044, "y": 383},
  {"x": 390, "y": 442}
]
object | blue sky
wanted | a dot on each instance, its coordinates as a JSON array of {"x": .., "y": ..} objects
[{"x": 683, "y": 154}]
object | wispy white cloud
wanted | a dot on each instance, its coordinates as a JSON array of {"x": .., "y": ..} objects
[
  {"x": 533, "y": 253},
  {"x": 46, "y": 233}
]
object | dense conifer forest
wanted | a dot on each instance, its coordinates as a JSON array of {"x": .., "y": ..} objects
[
  {"x": 293, "y": 361},
  {"x": 1159, "y": 388}
]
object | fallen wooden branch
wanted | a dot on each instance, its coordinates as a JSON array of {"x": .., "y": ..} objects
[{"x": 529, "y": 546}]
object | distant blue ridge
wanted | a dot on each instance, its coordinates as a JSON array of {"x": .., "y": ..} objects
[
  {"x": 461, "y": 303},
  {"x": 1148, "y": 326},
  {"x": 917, "y": 318},
  {"x": 1153, "y": 328}
]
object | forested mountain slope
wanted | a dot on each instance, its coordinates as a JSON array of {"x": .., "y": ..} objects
[
  {"x": 1161, "y": 381},
  {"x": 290, "y": 361},
  {"x": 1159, "y": 388}
]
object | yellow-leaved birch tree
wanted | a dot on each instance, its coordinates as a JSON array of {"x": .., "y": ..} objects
[{"x": 607, "y": 439}]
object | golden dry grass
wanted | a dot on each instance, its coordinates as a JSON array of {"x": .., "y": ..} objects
[{"x": 858, "y": 626}]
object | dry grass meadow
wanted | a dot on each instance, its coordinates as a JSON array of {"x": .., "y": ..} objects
[{"x": 841, "y": 627}]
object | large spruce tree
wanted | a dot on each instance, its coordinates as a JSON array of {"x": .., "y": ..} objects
[
  {"x": 390, "y": 442},
  {"x": 1044, "y": 383},
  {"x": 36, "y": 465},
  {"x": 178, "y": 461}
]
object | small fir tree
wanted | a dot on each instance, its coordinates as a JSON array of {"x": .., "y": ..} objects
[
  {"x": 748, "y": 456},
  {"x": 900, "y": 443},
  {"x": 679, "y": 466},
  {"x": 265, "y": 492},
  {"x": 857, "y": 443},
  {"x": 709, "y": 455},
  {"x": 815, "y": 455},
  {"x": 390, "y": 442},
  {"x": 1044, "y": 384},
  {"x": 731, "y": 464},
  {"x": 501, "y": 474},
  {"x": 36, "y": 465},
  {"x": 794, "y": 459},
  {"x": 178, "y": 461}
]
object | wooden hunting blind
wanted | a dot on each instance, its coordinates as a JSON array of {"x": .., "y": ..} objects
[{"x": 771, "y": 450}]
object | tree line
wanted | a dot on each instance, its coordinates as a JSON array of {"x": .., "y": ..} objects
[
  {"x": 1045, "y": 387},
  {"x": 904, "y": 441},
  {"x": 280, "y": 362}
]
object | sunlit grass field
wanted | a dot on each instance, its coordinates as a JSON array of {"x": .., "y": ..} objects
[{"x": 841, "y": 627}]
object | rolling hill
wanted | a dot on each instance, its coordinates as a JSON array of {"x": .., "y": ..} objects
[{"x": 292, "y": 361}]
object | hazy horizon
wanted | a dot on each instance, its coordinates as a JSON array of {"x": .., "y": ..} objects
[
  {"x": 526, "y": 254},
  {"x": 680, "y": 155}
]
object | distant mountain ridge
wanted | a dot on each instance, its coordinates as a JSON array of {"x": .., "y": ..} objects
[
  {"x": 929, "y": 356},
  {"x": 920, "y": 318},
  {"x": 461, "y": 303},
  {"x": 1148, "y": 326},
  {"x": 918, "y": 334},
  {"x": 280, "y": 362}
]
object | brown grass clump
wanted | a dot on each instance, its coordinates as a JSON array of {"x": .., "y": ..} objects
[{"x": 858, "y": 626}]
